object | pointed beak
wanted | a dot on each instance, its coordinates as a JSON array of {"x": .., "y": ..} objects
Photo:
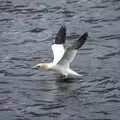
[{"x": 36, "y": 66}]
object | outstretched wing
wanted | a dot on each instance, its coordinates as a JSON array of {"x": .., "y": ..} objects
[
  {"x": 71, "y": 52},
  {"x": 58, "y": 45}
]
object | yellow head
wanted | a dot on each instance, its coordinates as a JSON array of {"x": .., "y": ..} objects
[{"x": 41, "y": 65}]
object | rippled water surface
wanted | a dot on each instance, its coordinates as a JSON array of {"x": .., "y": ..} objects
[{"x": 26, "y": 31}]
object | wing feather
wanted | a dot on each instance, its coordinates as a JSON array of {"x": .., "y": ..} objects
[
  {"x": 58, "y": 52},
  {"x": 68, "y": 57},
  {"x": 71, "y": 52},
  {"x": 61, "y": 36},
  {"x": 78, "y": 44},
  {"x": 58, "y": 45}
]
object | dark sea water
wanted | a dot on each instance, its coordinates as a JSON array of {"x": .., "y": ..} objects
[{"x": 26, "y": 31}]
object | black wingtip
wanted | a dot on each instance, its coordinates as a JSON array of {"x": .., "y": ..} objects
[
  {"x": 61, "y": 35},
  {"x": 81, "y": 40}
]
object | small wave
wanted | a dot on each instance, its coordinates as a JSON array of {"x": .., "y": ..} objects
[
  {"x": 5, "y": 19},
  {"x": 109, "y": 55},
  {"x": 110, "y": 37},
  {"x": 17, "y": 74},
  {"x": 4, "y": 82},
  {"x": 5, "y": 92},
  {"x": 19, "y": 59},
  {"x": 52, "y": 114},
  {"x": 37, "y": 30},
  {"x": 113, "y": 101},
  {"x": 100, "y": 79}
]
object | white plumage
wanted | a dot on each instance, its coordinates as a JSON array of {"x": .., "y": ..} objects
[
  {"x": 58, "y": 51},
  {"x": 63, "y": 57}
]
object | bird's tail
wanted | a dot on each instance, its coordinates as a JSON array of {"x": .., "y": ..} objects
[{"x": 73, "y": 73}]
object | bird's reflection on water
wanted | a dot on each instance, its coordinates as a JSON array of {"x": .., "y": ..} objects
[{"x": 62, "y": 79}]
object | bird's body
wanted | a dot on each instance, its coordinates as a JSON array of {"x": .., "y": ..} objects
[
  {"x": 63, "y": 57},
  {"x": 63, "y": 70}
]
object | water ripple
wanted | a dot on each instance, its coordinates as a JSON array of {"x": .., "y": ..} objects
[{"x": 109, "y": 55}]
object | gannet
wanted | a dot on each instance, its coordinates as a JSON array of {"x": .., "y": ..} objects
[{"x": 63, "y": 57}]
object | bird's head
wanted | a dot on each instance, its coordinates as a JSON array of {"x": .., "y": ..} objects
[{"x": 41, "y": 65}]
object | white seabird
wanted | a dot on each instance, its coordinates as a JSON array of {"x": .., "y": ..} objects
[{"x": 63, "y": 57}]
